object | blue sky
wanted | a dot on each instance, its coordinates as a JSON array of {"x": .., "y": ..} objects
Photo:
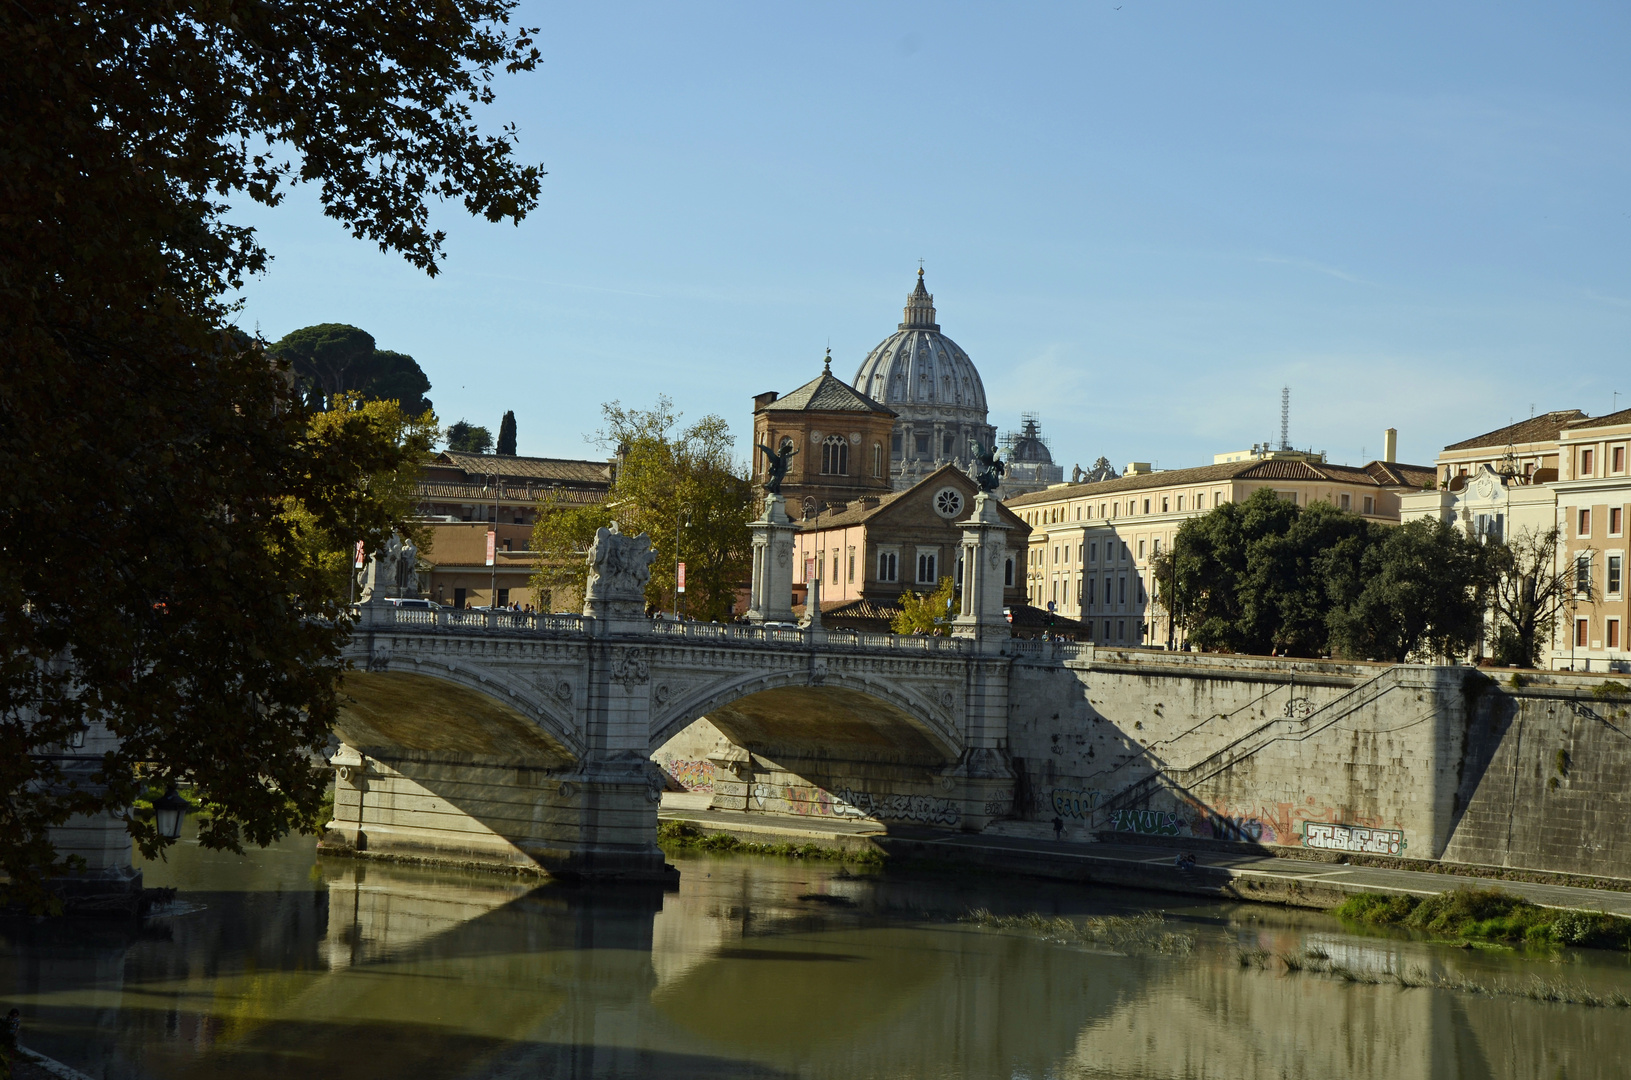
[{"x": 1139, "y": 220}]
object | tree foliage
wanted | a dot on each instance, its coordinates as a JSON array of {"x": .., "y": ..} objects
[
  {"x": 506, "y": 434},
  {"x": 674, "y": 485},
  {"x": 1265, "y": 575},
  {"x": 926, "y": 612},
  {"x": 332, "y": 358},
  {"x": 1529, "y": 591},
  {"x": 469, "y": 438},
  {"x": 197, "y": 626}
]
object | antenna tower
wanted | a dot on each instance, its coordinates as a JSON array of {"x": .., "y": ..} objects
[{"x": 1285, "y": 418}]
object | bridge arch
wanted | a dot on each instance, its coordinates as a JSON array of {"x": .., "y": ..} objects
[
  {"x": 458, "y": 706},
  {"x": 814, "y": 711}
]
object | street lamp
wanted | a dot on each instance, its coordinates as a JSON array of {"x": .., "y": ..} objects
[
  {"x": 169, "y": 810},
  {"x": 677, "y": 525}
]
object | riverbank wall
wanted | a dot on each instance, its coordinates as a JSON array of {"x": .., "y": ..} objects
[{"x": 1393, "y": 764}]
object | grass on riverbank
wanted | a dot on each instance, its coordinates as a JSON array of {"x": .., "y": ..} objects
[
  {"x": 683, "y": 836},
  {"x": 1488, "y": 915}
]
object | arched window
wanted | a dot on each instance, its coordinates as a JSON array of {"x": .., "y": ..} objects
[
  {"x": 1008, "y": 573},
  {"x": 877, "y": 459},
  {"x": 835, "y": 456}
]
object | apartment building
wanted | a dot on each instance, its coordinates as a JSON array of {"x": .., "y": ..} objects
[
  {"x": 1091, "y": 545},
  {"x": 1593, "y": 505}
]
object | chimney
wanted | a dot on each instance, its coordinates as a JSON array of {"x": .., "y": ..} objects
[
  {"x": 761, "y": 400},
  {"x": 1390, "y": 445}
]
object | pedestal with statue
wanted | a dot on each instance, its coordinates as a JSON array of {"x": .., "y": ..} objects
[
  {"x": 770, "y": 595},
  {"x": 984, "y": 773}
]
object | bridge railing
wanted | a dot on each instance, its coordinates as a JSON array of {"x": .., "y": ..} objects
[
  {"x": 737, "y": 632},
  {"x": 467, "y": 619}
]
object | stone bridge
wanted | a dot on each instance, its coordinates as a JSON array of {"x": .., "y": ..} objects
[{"x": 527, "y": 739}]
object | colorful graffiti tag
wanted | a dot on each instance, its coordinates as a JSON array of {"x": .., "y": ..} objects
[
  {"x": 688, "y": 775},
  {"x": 1354, "y": 838},
  {"x": 1248, "y": 829},
  {"x": 1075, "y": 803},
  {"x": 1147, "y": 822}
]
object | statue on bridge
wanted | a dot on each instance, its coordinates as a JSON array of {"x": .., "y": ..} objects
[
  {"x": 391, "y": 573},
  {"x": 988, "y": 468},
  {"x": 619, "y": 567},
  {"x": 776, "y": 467}
]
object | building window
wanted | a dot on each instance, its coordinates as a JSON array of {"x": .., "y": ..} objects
[
  {"x": 1180, "y": 503},
  {"x": 1616, "y": 522},
  {"x": 1055, "y": 599},
  {"x": 1582, "y": 633},
  {"x": 1617, "y": 458},
  {"x": 1142, "y": 596},
  {"x": 1146, "y": 506},
  {"x": 1107, "y": 629},
  {"x": 922, "y": 444},
  {"x": 1583, "y": 524},
  {"x": 1121, "y": 629},
  {"x": 888, "y": 566},
  {"x": 835, "y": 456},
  {"x": 851, "y": 577},
  {"x": 835, "y": 568},
  {"x": 894, "y": 443},
  {"x": 503, "y": 598},
  {"x": 1611, "y": 638},
  {"x": 1164, "y": 505},
  {"x": 1370, "y": 504},
  {"x": 1121, "y": 593},
  {"x": 1093, "y": 552},
  {"x": 1141, "y": 549},
  {"x": 1107, "y": 595},
  {"x": 1078, "y": 554},
  {"x": 1611, "y": 579},
  {"x": 1582, "y": 572},
  {"x": 1125, "y": 551},
  {"x": 1008, "y": 573},
  {"x": 945, "y": 446},
  {"x": 1346, "y": 501},
  {"x": 877, "y": 459},
  {"x": 1056, "y": 554},
  {"x": 1217, "y": 498},
  {"x": 1090, "y": 591},
  {"x": 1155, "y": 548},
  {"x": 1585, "y": 461},
  {"x": 925, "y": 568},
  {"x": 1067, "y": 592}
]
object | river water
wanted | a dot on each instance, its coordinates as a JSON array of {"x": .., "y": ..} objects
[{"x": 284, "y": 964}]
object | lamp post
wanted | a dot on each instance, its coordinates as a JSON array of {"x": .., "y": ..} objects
[
  {"x": 169, "y": 810},
  {"x": 492, "y": 598},
  {"x": 679, "y": 518}
]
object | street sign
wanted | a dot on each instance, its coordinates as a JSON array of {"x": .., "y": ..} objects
[
  {"x": 361, "y": 556},
  {"x": 492, "y": 545},
  {"x": 681, "y": 575},
  {"x": 1050, "y": 605}
]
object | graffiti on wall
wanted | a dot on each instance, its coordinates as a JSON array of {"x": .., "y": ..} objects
[
  {"x": 684, "y": 774},
  {"x": 1238, "y": 827},
  {"x": 919, "y": 808},
  {"x": 1147, "y": 822},
  {"x": 1075, "y": 803},
  {"x": 1355, "y": 838},
  {"x": 854, "y": 805}
]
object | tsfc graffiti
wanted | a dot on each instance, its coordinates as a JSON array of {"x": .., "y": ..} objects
[{"x": 1147, "y": 822}]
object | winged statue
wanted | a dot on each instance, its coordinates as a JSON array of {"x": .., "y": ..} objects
[
  {"x": 776, "y": 467},
  {"x": 988, "y": 468}
]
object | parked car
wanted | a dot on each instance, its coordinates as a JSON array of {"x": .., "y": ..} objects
[{"x": 413, "y": 604}]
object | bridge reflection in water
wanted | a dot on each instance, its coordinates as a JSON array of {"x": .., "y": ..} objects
[{"x": 293, "y": 966}]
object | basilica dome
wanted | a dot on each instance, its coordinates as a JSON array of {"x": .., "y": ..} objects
[{"x": 929, "y": 381}]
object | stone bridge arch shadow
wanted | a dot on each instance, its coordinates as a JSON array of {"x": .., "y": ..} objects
[
  {"x": 456, "y": 764},
  {"x": 818, "y": 744}
]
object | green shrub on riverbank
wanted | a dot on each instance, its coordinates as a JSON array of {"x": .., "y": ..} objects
[
  {"x": 685, "y": 836},
  {"x": 1488, "y": 915}
]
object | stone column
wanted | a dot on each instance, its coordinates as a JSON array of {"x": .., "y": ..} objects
[
  {"x": 984, "y": 546},
  {"x": 984, "y": 778},
  {"x": 771, "y": 593}
]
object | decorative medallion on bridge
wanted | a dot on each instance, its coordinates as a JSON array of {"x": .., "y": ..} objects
[
  {"x": 631, "y": 668},
  {"x": 947, "y": 700},
  {"x": 1299, "y": 708},
  {"x": 563, "y": 690},
  {"x": 663, "y": 691}
]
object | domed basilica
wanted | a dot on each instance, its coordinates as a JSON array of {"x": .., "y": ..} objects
[{"x": 931, "y": 385}]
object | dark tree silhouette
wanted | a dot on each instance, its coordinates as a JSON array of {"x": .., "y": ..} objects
[
  {"x": 333, "y": 358},
  {"x": 506, "y": 434}
]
